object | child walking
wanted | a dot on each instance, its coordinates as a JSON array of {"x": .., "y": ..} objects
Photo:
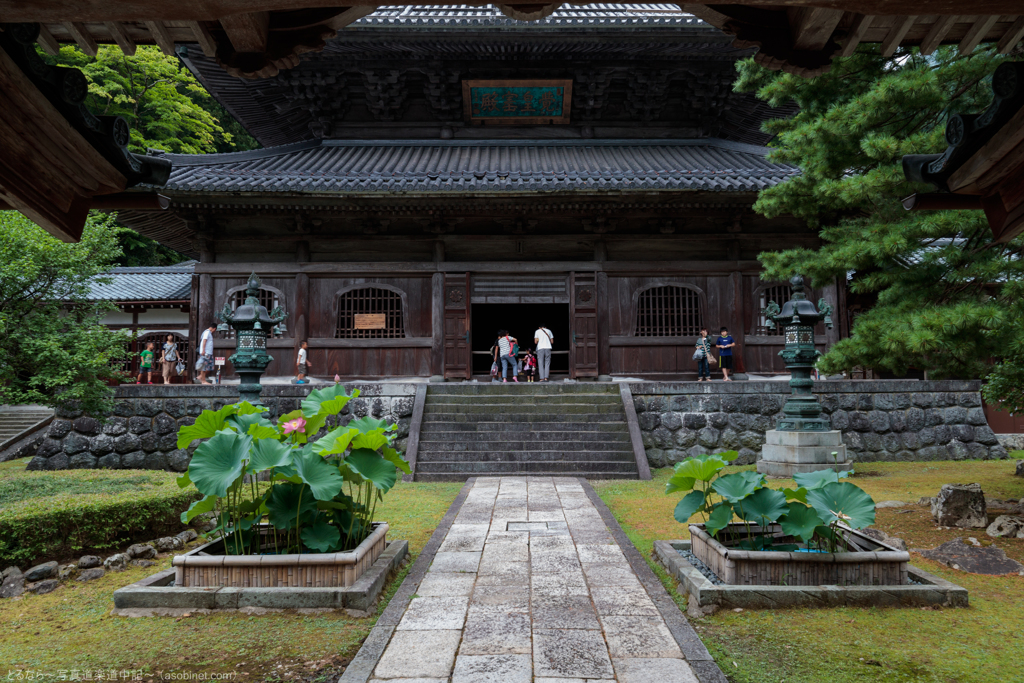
[
  {"x": 146, "y": 366},
  {"x": 530, "y": 365}
]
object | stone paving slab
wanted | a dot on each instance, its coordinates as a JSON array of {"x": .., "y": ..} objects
[{"x": 531, "y": 580}]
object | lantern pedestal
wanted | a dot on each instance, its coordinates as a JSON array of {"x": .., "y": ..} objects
[{"x": 786, "y": 453}]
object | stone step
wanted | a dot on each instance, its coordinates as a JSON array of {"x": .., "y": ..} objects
[
  {"x": 524, "y": 445},
  {"x": 510, "y": 417},
  {"x": 463, "y": 476},
  {"x": 482, "y": 455},
  {"x": 546, "y": 388},
  {"x": 474, "y": 468},
  {"x": 562, "y": 410},
  {"x": 532, "y": 399},
  {"x": 515, "y": 429},
  {"x": 528, "y": 437}
]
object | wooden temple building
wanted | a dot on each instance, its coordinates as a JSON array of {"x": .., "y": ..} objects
[{"x": 420, "y": 190}]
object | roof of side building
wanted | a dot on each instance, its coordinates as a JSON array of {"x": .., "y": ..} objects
[{"x": 151, "y": 283}]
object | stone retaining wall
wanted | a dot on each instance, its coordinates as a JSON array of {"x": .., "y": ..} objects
[
  {"x": 880, "y": 420},
  {"x": 142, "y": 431}
]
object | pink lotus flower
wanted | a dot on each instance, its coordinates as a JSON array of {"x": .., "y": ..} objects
[
  {"x": 337, "y": 378},
  {"x": 296, "y": 425}
]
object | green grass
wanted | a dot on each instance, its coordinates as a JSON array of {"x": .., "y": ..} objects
[
  {"x": 73, "y": 628},
  {"x": 980, "y": 644}
]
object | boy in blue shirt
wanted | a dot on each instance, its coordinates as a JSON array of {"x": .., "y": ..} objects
[{"x": 725, "y": 344}]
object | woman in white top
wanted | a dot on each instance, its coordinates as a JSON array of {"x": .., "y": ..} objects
[{"x": 505, "y": 351}]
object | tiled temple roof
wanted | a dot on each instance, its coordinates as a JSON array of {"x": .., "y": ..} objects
[
  {"x": 474, "y": 16},
  {"x": 157, "y": 283},
  {"x": 357, "y": 167}
]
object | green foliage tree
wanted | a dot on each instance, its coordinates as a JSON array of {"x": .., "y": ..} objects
[
  {"x": 53, "y": 348},
  {"x": 948, "y": 299}
]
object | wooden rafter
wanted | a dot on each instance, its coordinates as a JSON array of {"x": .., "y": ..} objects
[
  {"x": 1012, "y": 36},
  {"x": 937, "y": 33},
  {"x": 120, "y": 35},
  {"x": 204, "y": 38},
  {"x": 812, "y": 27},
  {"x": 861, "y": 24},
  {"x": 248, "y": 31},
  {"x": 896, "y": 34},
  {"x": 82, "y": 37},
  {"x": 47, "y": 41},
  {"x": 979, "y": 29},
  {"x": 161, "y": 37}
]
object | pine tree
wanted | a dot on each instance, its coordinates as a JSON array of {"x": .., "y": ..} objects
[{"x": 948, "y": 299}]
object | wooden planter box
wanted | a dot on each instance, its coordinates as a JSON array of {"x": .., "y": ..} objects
[
  {"x": 205, "y": 567},
  {"x": 880, "y": 565}
]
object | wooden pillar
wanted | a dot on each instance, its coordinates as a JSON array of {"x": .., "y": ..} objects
[
  {"x": 737, "y": 322},
  {"x": 300, "y": 318},
  {"x": 302, "y": 251},
  {"x": 603, "y": 351},
  {"x": 439, "y": 251},
  {"x": 437, "y": 323},
  {"x": 830, "y": 294}
]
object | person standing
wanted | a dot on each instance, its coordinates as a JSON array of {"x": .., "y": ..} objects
[
  {"x": 146, "y": 364},
  {"x": 204, "y": 364},
  {"x": 725, "y": 344},
  {"x": 543, "y": 338},
  {"x": 302, "y": 363},
  {"x": 530, "y": 365},
  {"x": 704, "y": 356},
  {"x": 169, "y": 359},
  {"x": 506, "y": 350}
]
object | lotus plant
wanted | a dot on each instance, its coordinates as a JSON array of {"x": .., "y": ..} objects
[
  {"x": 322, "y": 492},
  {"x": 813, "y": 512}
]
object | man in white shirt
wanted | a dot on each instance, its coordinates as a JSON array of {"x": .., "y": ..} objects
[
  {"x": 543, "y": 338},
  {"x": 204, "y": 362},
  {"x": 302, "y": 364}
]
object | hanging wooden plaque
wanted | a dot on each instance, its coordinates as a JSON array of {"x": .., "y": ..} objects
[
  {"x": 370, "y": 321},
  {"x": 517, "y": 101}
]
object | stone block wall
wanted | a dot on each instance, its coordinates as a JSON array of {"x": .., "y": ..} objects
[
  {"x": 142, "y": 431},
  {"x": 881, "y": 420}
]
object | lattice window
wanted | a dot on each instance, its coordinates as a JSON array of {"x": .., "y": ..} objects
[
  {"x": 370, "y": 301},
  {"x": 668, "y": 311},
  {"x": 780, "y": 294},
  {"x": 268, "y": 298}
]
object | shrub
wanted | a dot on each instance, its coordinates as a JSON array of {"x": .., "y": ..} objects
[{"x": 51, "y": 515}]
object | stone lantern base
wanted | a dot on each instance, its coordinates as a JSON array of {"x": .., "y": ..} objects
[{"x": 786, "y": 453}]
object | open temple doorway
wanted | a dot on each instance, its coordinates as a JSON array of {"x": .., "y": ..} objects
[{"x": 521, "y": 321}]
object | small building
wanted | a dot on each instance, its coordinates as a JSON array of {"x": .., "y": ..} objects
[{"x": 152, "y": 302}]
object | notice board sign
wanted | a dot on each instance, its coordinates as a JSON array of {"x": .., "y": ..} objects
[
  {"x": 517, "y": 101},
  {"x": 219, "y": 360},
  {"x": 370, "y": 321}
]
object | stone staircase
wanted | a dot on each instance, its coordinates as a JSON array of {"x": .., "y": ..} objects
[
  {"x": 524, "y": 429},
  {"x": 17, "y": 422}
]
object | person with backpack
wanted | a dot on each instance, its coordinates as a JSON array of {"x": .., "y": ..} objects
[
  {"x": 543, "y": 338},
  {"x": 507, "y": 349}
]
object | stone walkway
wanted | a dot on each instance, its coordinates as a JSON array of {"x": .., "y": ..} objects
[{"x": 530, "y": 585}]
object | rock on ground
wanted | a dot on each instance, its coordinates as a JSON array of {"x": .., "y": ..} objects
[
  {"x": 89, "y": 562},
  {"x": 67, "y": 572},
  {"x": 116, "y": 563},
  {"x": 1020, "y": 468},
  {"x": 47, "y": 570},
  {"x": 44, "y": 587},
  {"x": 969, "y": 558},
  {"x": 885, "y": 538},
  {"x": 10, "y": 571},
  {"x": 169, "y": 543},
  {"x": 12, "y": 587},
  {"x": 890, "y": 504},
  {"x": 187, "y": 536},
  {"x": 143, "y": 563},
  {"x": 1006, "y": 526},
  {"x": 90, "y": 574},
  {"x": 141, "y": 551},
  {"x": 960, "y": 505}
]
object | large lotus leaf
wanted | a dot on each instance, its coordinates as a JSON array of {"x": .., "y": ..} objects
[
  {"x": 207, "y": 504},
  {"x": 288, "y": 501},
  {"x": 368, "y": 424},
  {"x": 678, "y": 482},
  {"x": 218, "y": 462},
  {"x": 728, "y": 456},
  {"x": 800, "y": 521},
  {"x": 330, "y": 400},
  {"x": 371, "y": 441},
  {"x": 701, "y": 467},
  {"x": 688, "y": 506},
  {"x": 268, "y": 454},
  {"x": 763, "y": 507},
  {"x": 323, "y": 478},
  {"x": 183, "y": 480},
  {"x": 322, "y": 536},
  {"x": 736, "y": 487},
  {"x": 799, "y": 494},
  {"x": 313, "y": 426},
  {"x": 206, "y": 425},
  {"x": 263, "y": 432},
  {"x": 844, "y": 502},
  {"x": 719, "y": 518},
  {"x": 370, "y": 466},
  {"x": 818, "y": 479},
  {"x": 396, "y": 459},
  {"x": 335, "y": 443},
  {"x": 246, "y": 408}
]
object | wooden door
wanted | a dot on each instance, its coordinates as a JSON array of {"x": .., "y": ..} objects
[
  {"x": 458, "y": 361},
  {"x": 583, "y": 342}
]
